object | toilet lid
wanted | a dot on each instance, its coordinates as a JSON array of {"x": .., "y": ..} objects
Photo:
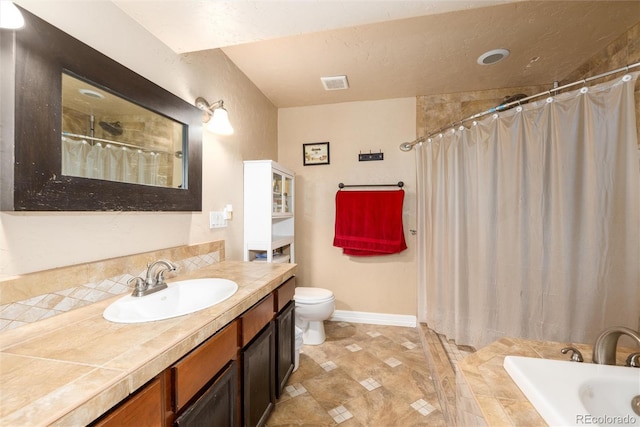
[{"x": 311, "y": 295}]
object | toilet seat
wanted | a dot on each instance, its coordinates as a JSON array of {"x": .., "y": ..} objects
[{"x": 306, "y": 295}]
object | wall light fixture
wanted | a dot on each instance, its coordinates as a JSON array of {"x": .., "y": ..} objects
[
  {"x": 10, "y": 16},
  {"x": 215, "y": 115}
]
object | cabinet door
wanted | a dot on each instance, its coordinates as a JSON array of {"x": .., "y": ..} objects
[
  {"x": 277, "y": 188},
  {"x": 282, "y": 189},
  {"x": 285, "y": 336},
  {"x": 218, "y": 406},
  {"x": 259, "y": 377},
  {"x": 287, "y": 195}
]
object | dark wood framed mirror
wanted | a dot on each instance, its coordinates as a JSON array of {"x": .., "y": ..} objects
[{"x": 43, "y": 54}]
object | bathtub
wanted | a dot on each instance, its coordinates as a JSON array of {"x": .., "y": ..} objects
[{"x": 572, "y": 394}]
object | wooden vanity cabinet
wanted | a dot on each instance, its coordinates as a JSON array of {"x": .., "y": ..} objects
[
  {"x": 258, "y": 362},
  {"x": 268, "y": 351},
  {"x": 231, "y": 379},
  {"x": 285, "y": 333}
]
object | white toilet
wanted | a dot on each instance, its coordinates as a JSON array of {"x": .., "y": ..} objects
[{"x": 313, "y": 307}]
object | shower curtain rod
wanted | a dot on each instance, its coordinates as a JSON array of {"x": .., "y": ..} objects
[
  {"x": 407, "y": 146},
  {"x": 118, "y": 143}
]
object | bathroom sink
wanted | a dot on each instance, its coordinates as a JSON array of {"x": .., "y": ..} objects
[
  {"x": 178, "y": 299},
  {"x": 571, "y": 393}
]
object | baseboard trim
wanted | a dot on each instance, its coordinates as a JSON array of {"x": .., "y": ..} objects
[{"x": 374, "y": 318}]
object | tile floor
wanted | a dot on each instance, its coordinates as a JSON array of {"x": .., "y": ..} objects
[{"x": 362, "y": 375}]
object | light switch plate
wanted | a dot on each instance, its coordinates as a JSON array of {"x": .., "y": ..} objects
[{"x": 217, "y": 220}]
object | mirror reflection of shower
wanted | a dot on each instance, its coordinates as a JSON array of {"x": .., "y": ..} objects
[
  {"x": 114, "y": 128},
  {"x": 106, "y": 137}
]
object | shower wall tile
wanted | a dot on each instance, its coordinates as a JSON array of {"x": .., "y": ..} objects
[
  {"x": 36, "y": 296},
  {"x": 437, "y": 111}
]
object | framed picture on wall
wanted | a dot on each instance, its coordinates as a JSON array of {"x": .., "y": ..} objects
[{"x": 315, "y": 153}]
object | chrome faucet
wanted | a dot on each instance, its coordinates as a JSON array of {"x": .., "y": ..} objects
[
  {"x": 604, "y": 350},
  {"x": 154, "y": 280}
]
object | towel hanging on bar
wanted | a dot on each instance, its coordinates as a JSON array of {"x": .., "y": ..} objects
[{"x": 369, "y": 223}]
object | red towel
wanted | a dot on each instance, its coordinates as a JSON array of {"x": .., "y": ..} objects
[{"x": 369, "y": 222}]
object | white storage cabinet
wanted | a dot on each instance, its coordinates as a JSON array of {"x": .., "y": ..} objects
[{"x": 268, "y": 212}]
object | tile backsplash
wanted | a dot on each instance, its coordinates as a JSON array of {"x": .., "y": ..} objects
[{"x": 25, "y": 299}]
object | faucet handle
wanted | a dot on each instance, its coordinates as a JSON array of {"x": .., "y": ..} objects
[
  {"x": 138, "y": 284},
  {"x": 576, "y": 356},
  {"x": 633, "y": 360}
]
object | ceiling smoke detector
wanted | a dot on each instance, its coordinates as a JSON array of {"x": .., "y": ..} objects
[
  {"x": 493, "y": 56},
  {"x": 335, "y": 83}
]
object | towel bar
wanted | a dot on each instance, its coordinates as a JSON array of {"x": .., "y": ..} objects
[{"x": 399, "y": 184}]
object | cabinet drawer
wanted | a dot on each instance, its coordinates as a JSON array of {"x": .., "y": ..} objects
[
  {"x": 143, "y": 409},
  {"x": 256, "y": 318},
  {"x": 285, "y": 293},
  {"x": 198, "y": 367}
]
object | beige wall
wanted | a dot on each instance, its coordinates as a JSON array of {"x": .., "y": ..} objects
[
  {"x": 38, "y": 241},
  {"x": 385, "y": 284}
]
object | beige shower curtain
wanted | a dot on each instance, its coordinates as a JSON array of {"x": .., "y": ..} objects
[
  {"x": 529, "y": 221},
  {"x": 100, "y": 161}
]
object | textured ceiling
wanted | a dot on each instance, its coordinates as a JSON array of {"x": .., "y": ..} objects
[{"x": 388, "y": 49}]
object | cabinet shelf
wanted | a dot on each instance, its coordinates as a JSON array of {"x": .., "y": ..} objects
[
  {"x": 279, "y": 241},
  {"x": 276, "y": 259},
  {"x": 282, "y": 215}
]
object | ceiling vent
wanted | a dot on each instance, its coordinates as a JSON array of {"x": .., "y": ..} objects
[{"x": 335, "y": 83}]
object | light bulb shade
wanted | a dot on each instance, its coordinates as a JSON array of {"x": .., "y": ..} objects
[
  {"x": 10, "y": 16},
  {"x": 219, "y": 123}
]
